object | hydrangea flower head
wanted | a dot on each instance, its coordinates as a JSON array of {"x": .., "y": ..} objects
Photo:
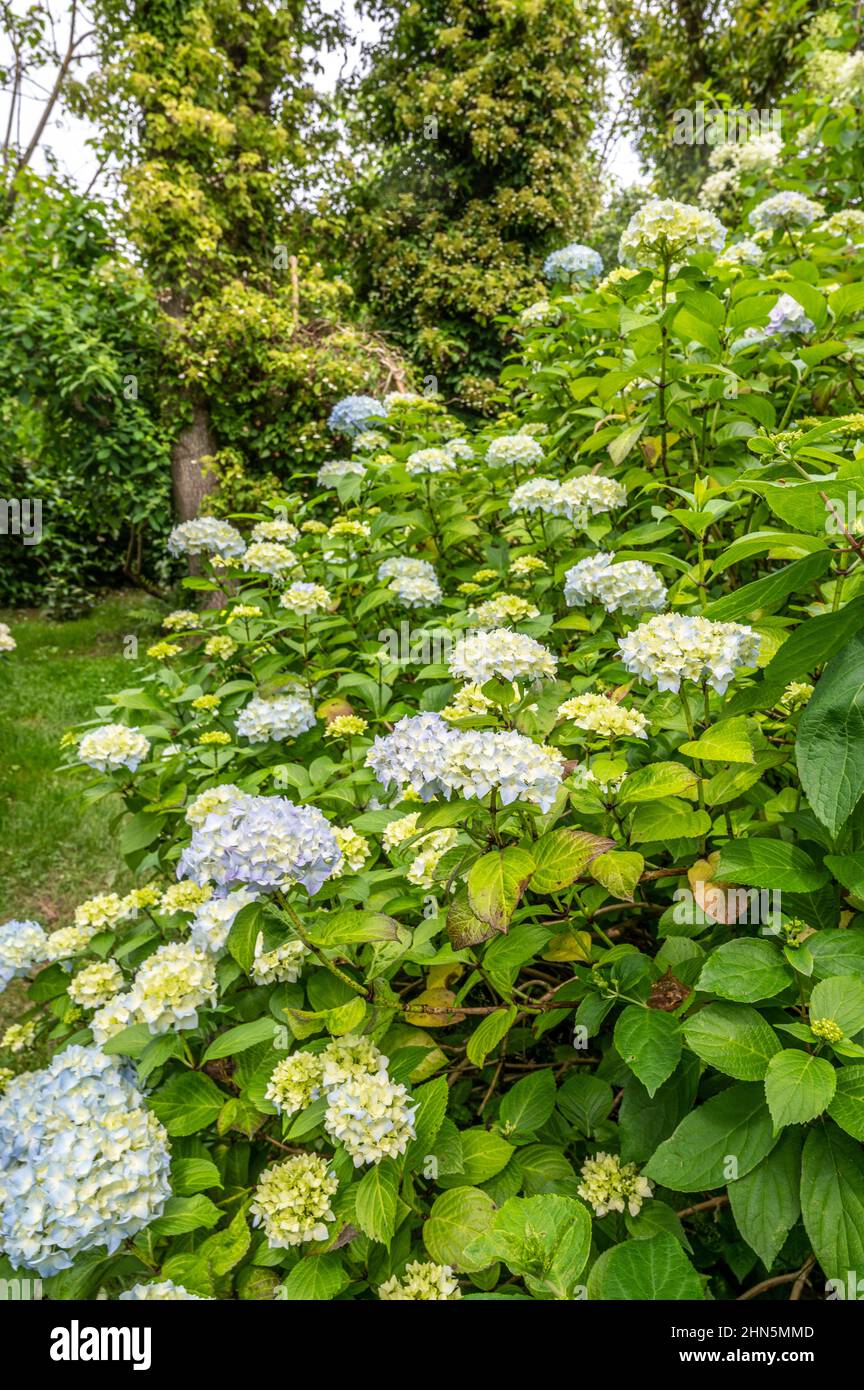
[
  {"x": 610, "y": 1185},
  {"x": 83, "y": 1162},
  {"x": 206, "y": 534},
  {"x": 671, "y": 648},
  {"x": 599, "y": 714},
  {"x": 412, "y": 755},
  {"x": 171, "y": 986},
  {"x": 421, "y": 1282},
  {"x": 7, "y": 641},
  {"x": 787, "y": 316},
  {"x": 263, "y": 842},
  {"x": 292, "y": 1201},
  {"x": 664, "y": 230},
  {"x": 372, "y": 1117},
  {"x": 573, "y": 262},
  {"x": 351, "y": 414},
  {"x": 113, "y": 746},
  {"x": 161, "y": 1292},
  {"x": 22, "y": 946},
  {"x": 514, "y": 451},
  {"x": 482, "y": 760},
  {"x": 429, "y": 461},
  {"x": 784, "y": 210},
  {"x": 631, "y": 586},
  {"x": 335, "y": 469},
  {"x": 269, "y": 557},
  {"x": 214, "y": 919},
  {"x": 511, "y": 656},
  {"x": 304, "y": 598},
  {"x": 283, "y": 716}
]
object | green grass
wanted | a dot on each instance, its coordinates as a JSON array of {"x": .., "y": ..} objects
[{"x": 53, "y": 850}]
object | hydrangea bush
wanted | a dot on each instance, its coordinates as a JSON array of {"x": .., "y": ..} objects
[{"x": 498, "y": 836}]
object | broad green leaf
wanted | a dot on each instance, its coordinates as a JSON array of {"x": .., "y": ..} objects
[
  {"x": 191, "y": 1175},
  {"x": 585, "y": 1101},
  {"x": 528, "y": 1104},
  {"x": 837, "y": 952},
  {"x": 719, "y": 1141},
  {"x": 768, "y": 593},
  {"x": 543, "y": 1239},
  {"x": 187, "y": 1103},
  {"x": 673, "y": 820},
  {"x": 644, "y": 1271},
  {"x": 238, "y": 1039},
  {"x": 243, "y": 935},
  {"x": 488, "y": 1033},
  {"x": 317, "y": 1278},
  {"x": 841, "y": 999},
  {"x": 655, "y": 781},
  {"x": 496, "y": 882},
  {"x": 649, "y": 1042},
  {"x": 746, "y": 970},
  {"x": 829, "y": 746},
  {"x": 770, "y": 864},
  {"x": 847, "y": 1107},
  {"x": 183, "y": 1214},
  {"x": 733, "y": 1038},
  {"x": 483, "y": 1155},
  {"x": 561, "y": 856},
  {"x": 619, "y": 871},
  {"x": 766, "y": 1203},
  {"x": 798, "y": 1087},
  {"x": 645, "y": 1121},
  {"x": 464, "y": 927},
  {"x": 376, "y": 1200},
  {"x": 725, "y": 742},
  {"x": 832, "y": 1199},
  {"x": 457, "y": 1218}
]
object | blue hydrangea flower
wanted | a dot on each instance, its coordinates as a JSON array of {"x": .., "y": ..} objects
[
  {"x": 353, "y": 413},
  {"x": 573, "y": 262}
]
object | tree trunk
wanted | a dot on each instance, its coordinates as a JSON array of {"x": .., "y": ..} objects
[{"x": 190, "y": 481}]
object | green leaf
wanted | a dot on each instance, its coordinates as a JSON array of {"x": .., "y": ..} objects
[
  {"x": 649, "y": 1042},
  {"x": 464, "y": 928},
  {"x": 766, "y": 1203},
  {"x": 560, "y": 857},
  {"x": 770, "y": 864},
  {"x": 645, "y": 1121},
  {"x": 183, "y": 1214},
  {"x": 431, "y": 1108},
  {"x": 813, "y": 642},
  {"x": 671, "y": 821},
  {"x": 769, "y": 592},
  {"x": 746, "y": 970},
  {"x": 457, "y": 1218},
  {"x": 829, "y": 747},
  {"x": 483, "y": 1155},
  {"x": 544, "y": 1239},
  {"x": 719, "y": 1141},
  {"x": 847, "y": 1107},
  {"x": 187, "y": 1103},
  {"x": 346, "y": 928},
  {"x": 585, "y": 1101},
  {"x": 496, "y": 882},
  {"x": 317, "y": 1278},
  {"x": 237, "y": 1039},
  {"x": 840, "y": 998},
  {"x": 225, "y": 1249},
  {"x": 733, "y": 1038},
  {"x": 644, "y": 1271},
  {"x": 241, "y": 939},
  {"x": 488, "y": 1033},
  {"x": 656, "y": 781},
  {"x": 619, "y": 871},
  {"x": 376, "y": 1201},
  {"x": 798, "y": 1087},
  {"x": 190, "y": 1175},
  {"x": 725, "y": 742},
  {"x": 832, "y": 1199},
  {"x": 528, "y": 1105}
]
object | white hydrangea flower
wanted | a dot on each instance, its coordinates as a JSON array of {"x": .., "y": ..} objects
[
  {"x": 514, "y": 451},
  {"x": 672, "y": 647},
  {"x": 295, "y": 1082},
  {"x": 111, "y": 1019},
  {"x": 787, "y": 209},
  {"x": 206, "y": 533},
  {"x": 67, "y": 942},
  {"x": 599, "y": 714},
  {"x": 83, "y": 1162},
  {"x": 292, "y": 1201},
  {"x": 22, "y": 946},
  {"x": 610, "y": 1185},
  {"x": 372, "y": 1117},
  {"x": 573, "y": 262},
  {"x": 367, "y": 441},
  {"x": 304, "y": 598},
  {"x": 666, "y": 230},
  {"x": 340, "y": 468},
  {"x": 482, "y": 760},
  {"x": 412, "y": 755},
  {"x": 405, "y": 567},
  {"x": 96, "y": 984},
  {"x": 275, "y": 530},
  {"x": 590, "y": 495},
  {"x": 848, "y": 224},
  {"x": 422, "y": 1281},
  {"x": 537, "y": 495},
  {"x": 160, "y": 1292},
  {"x": 428, "y": 849},
  {"x": 468, "y": 703},
  {"x": 171, "y": 986},
  {"x": 7, "y": 641},
  {"x": 787, "y": 316},
  {"x": 283, "y": 716},
  {"x": 630, "y": 585},
  {"x": 429, "y": 461},
  {"x": 349, "y": 1057},
  {"x": 104, "y": 910},
  {"x": 415, "y": 591},
  {"x": 459, "y": 449},
  {"x": 263, "y": 842},
  {"x": 504, "y": 608},
  {"x": 113, "y": 746},
  {"x": 743, "y": 252},
  {"x": 186, "y": 896},
  {"x": 541, "y": 311},
  {"x": 214, "y": 919},
  {"x": 355, "y": 848},
  {"x": 510, "y": 656},
  {"x": 284, "y": 963},
  {"x": 269, "y": 557},
  {"x": 211, "y": 802}
]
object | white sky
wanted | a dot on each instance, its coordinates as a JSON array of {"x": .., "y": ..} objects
[{"x": 67, "y": 137}]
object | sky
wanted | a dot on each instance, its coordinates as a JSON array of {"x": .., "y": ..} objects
[{"x": 67, "y": 136}]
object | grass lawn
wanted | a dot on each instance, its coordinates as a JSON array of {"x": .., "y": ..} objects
[{"x": 53, "y": 851}]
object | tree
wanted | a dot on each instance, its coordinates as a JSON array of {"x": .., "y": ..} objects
[{"x": 476, "y": 118}]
